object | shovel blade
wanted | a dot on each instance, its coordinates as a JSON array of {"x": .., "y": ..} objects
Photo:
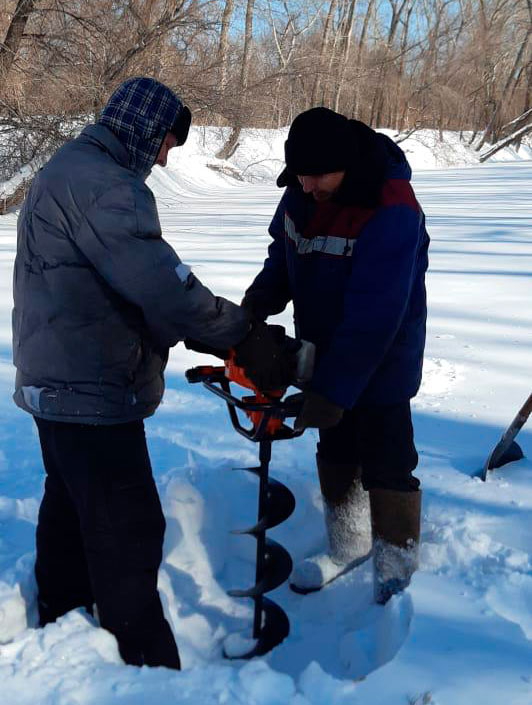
[{"x": 496, "y": 459}]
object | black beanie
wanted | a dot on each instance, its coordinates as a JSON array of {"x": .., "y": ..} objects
[{"x": 319, "y": 142}]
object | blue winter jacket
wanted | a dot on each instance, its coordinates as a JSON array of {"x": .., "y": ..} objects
[{"x": 356, "y": 277}]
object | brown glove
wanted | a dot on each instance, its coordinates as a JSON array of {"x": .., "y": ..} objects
[{"x": 317, "y": 412}]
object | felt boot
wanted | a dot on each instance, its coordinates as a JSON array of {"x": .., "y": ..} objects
[
  {"x": 395, "y": 520},
  {"x": 347, "y": 524}
]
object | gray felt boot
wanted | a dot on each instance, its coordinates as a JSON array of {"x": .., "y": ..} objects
[{"x": 348, "y": 527}]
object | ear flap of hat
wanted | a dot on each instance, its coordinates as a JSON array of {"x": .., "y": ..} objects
[{"x": 181, "y": 126}]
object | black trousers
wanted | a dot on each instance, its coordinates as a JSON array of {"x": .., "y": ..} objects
[
  {"x": 100, "y": 533},
  {"x": 377, "y": 439}
]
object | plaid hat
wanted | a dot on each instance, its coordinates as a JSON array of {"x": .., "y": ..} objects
[
  {"x": 140, "y": 113},
  {"x": 319, "y": 142}
]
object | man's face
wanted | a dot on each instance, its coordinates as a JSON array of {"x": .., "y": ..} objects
[
  {"x": 169, "y": 142},
  {"x": 322, "y": 186}
]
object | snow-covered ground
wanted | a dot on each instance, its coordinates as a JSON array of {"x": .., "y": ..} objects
[{"x": 460, "y": 635}]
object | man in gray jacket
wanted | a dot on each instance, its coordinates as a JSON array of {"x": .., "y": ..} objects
[{"x": 100, "y": 297}]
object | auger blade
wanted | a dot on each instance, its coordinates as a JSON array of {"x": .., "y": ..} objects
[
  {"x": 281, "y": 504},
  {"x": 275, "y": 629},
  {"x": 255, "y": 471},
  {"x": 253, "y": 530},
  {"x": 277, "y": 568}
]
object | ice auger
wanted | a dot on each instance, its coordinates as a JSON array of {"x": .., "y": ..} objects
[{"x": 267, "y": 413}]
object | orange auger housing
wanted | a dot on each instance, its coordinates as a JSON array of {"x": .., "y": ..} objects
[{"x": 237, "y": 375}]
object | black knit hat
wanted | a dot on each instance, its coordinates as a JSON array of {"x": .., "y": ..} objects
[{"x": 319, "y": 142}]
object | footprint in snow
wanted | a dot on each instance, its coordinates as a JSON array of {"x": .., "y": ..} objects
[
  {"x": 511, "y": 598},
  {"x": 375, "y": 643}
]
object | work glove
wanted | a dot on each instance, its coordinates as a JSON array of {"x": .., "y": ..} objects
[
  {"x": 266, "y": 357},
  {"x": 317, "y": 412},
  {"x": 195, "y": 345}
]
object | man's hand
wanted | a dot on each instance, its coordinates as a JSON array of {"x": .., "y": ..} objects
[
  {"x": 266, "y": 358},
  {"x": 317, "y": 412}
]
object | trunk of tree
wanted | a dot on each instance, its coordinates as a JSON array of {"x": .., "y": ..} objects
[
  {"x": 491, "y": 131},
  {"x": 397, "y": 7},
  {"x": 223, "y": 45},
  {"x": 14, "y": 34},
  {"x": 345, "y": 46},
  {"x": 398, "y": 115},
  {"x": 323, "y": 51},
  {"x": 360, "y": 53},
  {"x": 516, "y": 136},
  {"x": 231, "y": 144}
]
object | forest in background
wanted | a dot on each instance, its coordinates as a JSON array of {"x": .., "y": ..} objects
[{"x": 461, "y": 65}]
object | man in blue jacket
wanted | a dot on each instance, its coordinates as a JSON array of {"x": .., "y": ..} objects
[
  {"x": 100, "y": 297},
  {"x": 349, "y": 250}
]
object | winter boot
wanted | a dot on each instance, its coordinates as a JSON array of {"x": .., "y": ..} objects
[
  {"x": 347, "y": 523},
  {"x": 395, "y": 519}
]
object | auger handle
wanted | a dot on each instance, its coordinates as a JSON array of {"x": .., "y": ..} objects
[
  {"x": 275, "y": 409},
  {"x": 215, "y": 380}
]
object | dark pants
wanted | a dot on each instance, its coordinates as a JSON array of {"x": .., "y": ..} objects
[
  {"x": 377, "y": 439},
  {"x": 100, "y": 535}
]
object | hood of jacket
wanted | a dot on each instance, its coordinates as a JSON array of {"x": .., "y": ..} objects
[{"x": 140, "y": 113}]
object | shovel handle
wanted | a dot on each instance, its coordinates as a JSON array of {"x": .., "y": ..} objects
[
  {"x": 517, "y": 423},
  {"x": 524, "y": 412}
]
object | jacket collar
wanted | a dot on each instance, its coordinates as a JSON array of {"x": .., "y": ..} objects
[{"x": 105, "y": 139}]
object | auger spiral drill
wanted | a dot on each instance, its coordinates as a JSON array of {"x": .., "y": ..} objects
[{"x": 267, "y": 413}]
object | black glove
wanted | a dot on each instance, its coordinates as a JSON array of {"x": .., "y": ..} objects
[
  {"x": 266, "y": 357},
  {"x": 195, "y": 345},
  {"x": 317, "y": 412}
]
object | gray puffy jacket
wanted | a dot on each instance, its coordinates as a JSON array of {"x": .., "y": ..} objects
[{"x": 99, "y": 295}]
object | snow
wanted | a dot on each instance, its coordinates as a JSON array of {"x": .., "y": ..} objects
[
  {"x": 461, "y": 633},
  {"x": 260, "y": 155},
  {"x": 259, "y": 158}
]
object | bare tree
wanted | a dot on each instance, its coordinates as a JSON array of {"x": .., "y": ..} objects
[
  {"x": 232, "y": 142},
  {"x": 13, "y": 38},
  {"x": 515, "y": 68},
  {"x": 397, "y": 8},
  {"x": 345, "y": 45},
  {"x": 518, "y": 128},
  {"x": 223, "y": 45},
  {"x": 325, "y": 41}
]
